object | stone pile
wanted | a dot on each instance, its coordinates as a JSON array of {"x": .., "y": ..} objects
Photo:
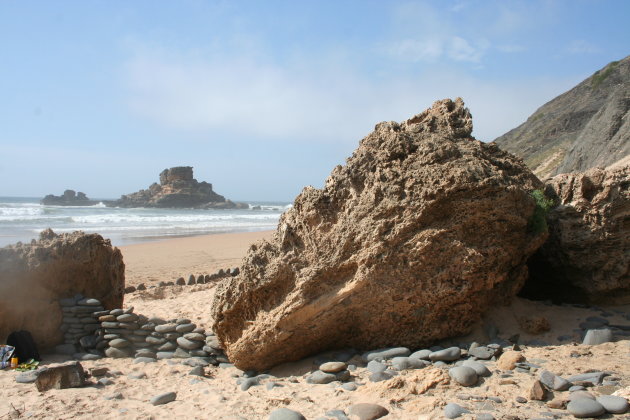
[
  {"x": 91, "y": 332},
  {"x": 192, "y": 280}
]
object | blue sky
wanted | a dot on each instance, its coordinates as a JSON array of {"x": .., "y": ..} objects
[{"x": 265, "y": 97}]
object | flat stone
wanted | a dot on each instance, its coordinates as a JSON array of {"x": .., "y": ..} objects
[
  {"x": 185, "y": 328},
  {"x": 104, "y": 381},
  {"x": 285, "y": 414},
  {"x": 595, "y": 337},
  {"x": 181, "y": 353},
  {"x": 197, "y": 371},
  {"x": 165, "y": 398},
  {"x": 319, "y": 377},
  {"x": 463, "y": 375},
  {"x": 402, "y": 363},
  {"x": 119, "y": 343},
  {"x": 367, "y": 411},
  {"x": 118, "y": 353},
  {"x": 168, "y": 346},
  {"x": 482, "y": 352},
  {"x": 129, "y": 325},
  {"x": 165, "y": 328},
  {"x": 593, "y": 378},
  {"x": 67, "y": 375},
  {"x": 192, "y": 336},
  {"x": 127, "y": 318},
  {"x": 188, "y": 344},
  {"x": 116, "y": 312},
  {"x": 613, "y": 404},
  {"x": 27, "y": 377},
  {"x": 89, "y": 302},
  {"x": 144, "y": 360},
  {"x": 509, "y": 359},
  {"x": 421, "y": 354},
  {"x": 553, "y": 381},
  {"x": 114, "y": 396},
  {"x": 453, "y": 410},
  {"x": 585, "y": 407},
  {"x": 447, "y": 355},
  {"x": 385, "y": 354},
  {"x": 349, "y": 386},
  {"x": 478, "y": 367},
  {"x": 333, "y": 367},
  {"x": 108, "y": 324},
  {"x": 98, "y": 371}
]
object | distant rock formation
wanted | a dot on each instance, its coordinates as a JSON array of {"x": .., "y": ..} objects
[
  {"x": 410, "y": 242},
  {"x": 69, "y": 198},
  {"x": 177, "y": 189},
  {"x": 587, "y": 126},
  {"x": 587, "y": 256},
  {"x": 33, "y": 277}
]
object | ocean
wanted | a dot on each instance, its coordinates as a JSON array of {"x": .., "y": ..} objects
[{"x": 21, "y": 219}]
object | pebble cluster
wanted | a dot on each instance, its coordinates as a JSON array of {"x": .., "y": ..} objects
[
  {"x": 122, "y": 333},
  {"x": 192, "y": 279}
]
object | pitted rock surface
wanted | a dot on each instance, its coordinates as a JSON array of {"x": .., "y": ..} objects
[{"x": 411, "y": 241}]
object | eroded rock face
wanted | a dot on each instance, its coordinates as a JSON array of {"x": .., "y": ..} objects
[
  {"x": 409, "y": 242},
  {"x": 177, "y": 189},
  {"x": 33, "y": 277},
  {"x": 587, "y": 256}
]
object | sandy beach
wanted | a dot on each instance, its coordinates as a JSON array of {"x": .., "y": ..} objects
[
  {"x": 411, "y": 394},
  {"x": 169, "y": 259}
]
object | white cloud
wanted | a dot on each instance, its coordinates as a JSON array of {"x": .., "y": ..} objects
[{"x": 315, "y": 99}]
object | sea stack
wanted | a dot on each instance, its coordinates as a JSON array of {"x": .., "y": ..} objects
[
  {"x": 177, "y": 189},
  {"x": 419, "y": 233}
]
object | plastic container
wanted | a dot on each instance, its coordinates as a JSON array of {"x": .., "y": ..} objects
[{"x": 14, "y": 362}]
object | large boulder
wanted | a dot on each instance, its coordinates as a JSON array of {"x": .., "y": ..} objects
[
  {"x": 422, "y": 230},
  {"x": 33, "y": 277},
  {"x": 587, "y": 255}
]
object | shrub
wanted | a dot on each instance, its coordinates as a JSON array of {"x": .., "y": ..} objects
[{"x": 538, "y": 222}]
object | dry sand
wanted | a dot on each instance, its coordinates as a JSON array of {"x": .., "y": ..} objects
[{"x": 413, "y": 394}]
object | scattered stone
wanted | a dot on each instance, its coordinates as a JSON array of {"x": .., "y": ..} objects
[
  {"x": 98, "y": 371},
  {"x": 553, "y": 381},
  {"x": 521, "y": 400},
  {"x": 376, "y": 367},
  {"x": 104, "y": 381},
  {"x": 380, "y": 376},
  {"x": 585, "y": 407},
  {"x": 67, "y": 375},
  {"x": 480, "y": 368},
  {"x": 595, "y": 337},
  {"x": 114, "y": 396},
  {"x": 613, "y": 404},
  {"x": 385, "y": 354},
  {"x": 333, "y": 367},
  {"x": 165, "y": 398},
  {"x": 249, "y": 382},
  {"x": 197, "y": 371},
  {"x": 453, "y": 410},
  {"x": 447, "y": 355},
  {"x": 367, "y": 411},
  {"x": 402, "y": 363},
  {"x": 537, "y": 392},
  {"x": 319, "y": 377},
  {"x": 509, "y": 359},
  {"x": 592, "y": 378},
  {"x": 349, "y": 386},
  {"x": 558, "y": 403},
  {"x": 482, "y": 352},
  {"x": 285, "y": 414},
  {"x": 463, "y": 375}
]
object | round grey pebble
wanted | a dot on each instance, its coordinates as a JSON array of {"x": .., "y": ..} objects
[
  {"x": 349, "y": 386},
  {"x": 452, "y": 410},
  {"x": 248, "y": 383},
  {"x": 319, "y": 377},
  {"x": 480, "y": 368},
  {"x": 402, "y": 363},
  {"x": 521, "y": 400},
  {"x": 165, "y": 398},
  {"x": 613, "y": 404},
  {"x": 285, "y": 414},
  {"x": 114, "y": 396},
  {"x": 463, "y": 375},
  {"x": 333, "y": 367},
  {"x": 585, "y": 407},
  {"x": 367, "y": 411}
]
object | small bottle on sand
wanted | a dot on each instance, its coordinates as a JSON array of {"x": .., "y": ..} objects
[{"x": 14, "y": 362}]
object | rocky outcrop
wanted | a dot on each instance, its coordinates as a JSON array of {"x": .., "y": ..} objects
[
  {"x": 33, "y": 277},
  {"x": 69, "y": 198},
  {"x": 177, "y": 189},
  {"x": 408, "y": 243},
  {"x": 585, "y": 127},
  {"x": 587, "y": 255}
]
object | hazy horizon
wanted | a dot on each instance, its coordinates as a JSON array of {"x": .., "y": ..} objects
[{"x": 263, "y": 99}]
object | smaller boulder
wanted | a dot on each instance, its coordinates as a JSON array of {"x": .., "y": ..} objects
[{"x": 67, "y": 375}]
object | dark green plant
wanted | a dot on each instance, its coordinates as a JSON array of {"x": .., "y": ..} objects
[{"x": 538, "y": 222}]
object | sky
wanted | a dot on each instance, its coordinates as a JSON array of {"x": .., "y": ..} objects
[{"x": 265, "y": 97}]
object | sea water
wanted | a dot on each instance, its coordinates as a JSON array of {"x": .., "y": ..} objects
[{"x": 22, "y": 219}]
